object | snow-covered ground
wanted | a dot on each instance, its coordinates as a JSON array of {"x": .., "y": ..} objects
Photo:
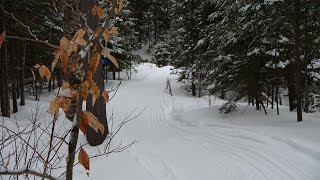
[{"x": 181, "y": 138}]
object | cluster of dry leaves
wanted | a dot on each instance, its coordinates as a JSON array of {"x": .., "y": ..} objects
[{"x": 85, "y": 69}]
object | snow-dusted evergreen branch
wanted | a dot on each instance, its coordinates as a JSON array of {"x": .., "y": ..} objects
[{"x": 36, "y": 39}]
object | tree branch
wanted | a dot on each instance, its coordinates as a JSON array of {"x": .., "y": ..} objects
[
  {"x": 46, "y": 43},
  {"x": 36, "y": 39},
  {"x": 26, "y": 171}
]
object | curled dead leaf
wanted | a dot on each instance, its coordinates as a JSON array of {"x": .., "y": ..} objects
[
  {"x": 95, "y": 91},
  {"x": 44, "y": 72},
  {"x": 64, "y": 61},
  {"x": 54, "y": 108},
  {"x": 65, "y": 86},
  {"x": 105, "y": 96},
  {"x": 89, "y": 76},
  {"x": 114, "y": 31},
  {"x": 97, "y": 10},
  {"x": 106, "y": 54},
  {"x": 93, "y": 122},
  {"x": 84, "y": 160},
  {"x": 64, "y": 103},
  {"x": 78, "y": 37},
  {"x": 85, "y": 90}
]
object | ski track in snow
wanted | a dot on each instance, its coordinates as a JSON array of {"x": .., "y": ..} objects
[{"x": 170, "y": 148}]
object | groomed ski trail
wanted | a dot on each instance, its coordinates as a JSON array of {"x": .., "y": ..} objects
[{"x": 170, "y": 148}]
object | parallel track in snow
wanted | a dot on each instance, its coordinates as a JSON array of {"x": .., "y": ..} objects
[{"x": 186, "y": 151}]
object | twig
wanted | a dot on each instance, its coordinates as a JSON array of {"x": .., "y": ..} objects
[{"x": 26, "y": 170}]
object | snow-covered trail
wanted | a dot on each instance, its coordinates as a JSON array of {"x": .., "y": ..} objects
[{"x": 173, "y": 148}]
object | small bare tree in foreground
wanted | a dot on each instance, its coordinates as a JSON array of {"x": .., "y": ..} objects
[{"x": 79, "y": 57}]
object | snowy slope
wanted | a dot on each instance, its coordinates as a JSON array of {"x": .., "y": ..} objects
[{"x": 181, "y": 139}]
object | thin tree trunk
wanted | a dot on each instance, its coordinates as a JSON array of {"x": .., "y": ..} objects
[
  {"x": 53, "y": 80},
  {"x": 59, "y": 76},
  {"x": 193, "y": 86},
  {"x": 130, "y": 68},
  {"x": 14, "y": 94},
  {"x": 272, "y": 96},
  {"x": 50, "y": 84},
  {"x": 21, "y": 77},
  {"x": 199, "y": 85},
  {"x": 113, "y": 72},
  {"x": 106, "y": 72},
  {"x": 6, "y": 112},
  {"x": 297, "y": 58},
  {"x": 277, "y": 99},
  {"x": 290, "y": 77}
]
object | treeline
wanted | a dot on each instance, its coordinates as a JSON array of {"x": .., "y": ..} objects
[
  {"x": 33, "y": 31},
  {"x": 24, "y": 21},
  {"x": 250, "y": 48}
]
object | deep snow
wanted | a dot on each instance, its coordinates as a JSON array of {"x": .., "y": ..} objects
[{"x": 181, "y": 138}]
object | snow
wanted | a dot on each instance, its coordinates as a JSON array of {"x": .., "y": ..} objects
[
  {"x": 181, "y": 138},
  {"x": 255, "y": 51}
]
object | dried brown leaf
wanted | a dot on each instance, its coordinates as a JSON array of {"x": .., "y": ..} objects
[
  {"x": 97, "y": 10},
  {"x": 114, "y": 31},
  {"x": 64, "y": 103},
  {"x": 65, "y": 86},
  {"x": 84, "y": 159},
  {"x": 54, "y": 108},
  {"x": 95, "y": 91},
  {"x": 106, "y": 53},
  {"x": 93, "y": 122},
  {"x": 78, "y": 37},
  {"x": 85, "y": 90},
  {"x": 44, "y": 72},
  {"x": 105, "y": 96},
  {"x": 64, "y": 61}
]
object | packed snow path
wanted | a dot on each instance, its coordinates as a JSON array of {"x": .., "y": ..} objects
[{"x": 174, "y": 145}]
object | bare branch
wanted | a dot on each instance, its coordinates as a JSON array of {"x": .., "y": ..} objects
[
  {"x": 33, "y": 40},
  {"x": 25, "y": 170}
]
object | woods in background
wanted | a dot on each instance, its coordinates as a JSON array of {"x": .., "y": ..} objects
[{"x": 247, "y": 50}]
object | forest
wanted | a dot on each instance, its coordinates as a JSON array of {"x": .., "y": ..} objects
[{"x": 72, "y": 59}]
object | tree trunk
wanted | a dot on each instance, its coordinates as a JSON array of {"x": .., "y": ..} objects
[
  {"x": 272, "y": 96},
  {"x": 277, "y": 99},
  {"x": 193, "y": 86},
  {"x": 106, "y": 72},
  {"x": 199, "y": 85},
  {"x": 14, "y": 94},
  {"x": 21, "y": 74},
  {"x": 59, "y": 76},
  {"x": 6, "y": 104},
  {"x": 50, "y": 84},
  {"x": 297, "y": 58},
  {"x": 290, "y": 77},
  {"x": 130, "y": 68},
  {"x": 53, "y": 80},
  {"x": 113, "y": 72},
  {"x": 99, "y": 108}
]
